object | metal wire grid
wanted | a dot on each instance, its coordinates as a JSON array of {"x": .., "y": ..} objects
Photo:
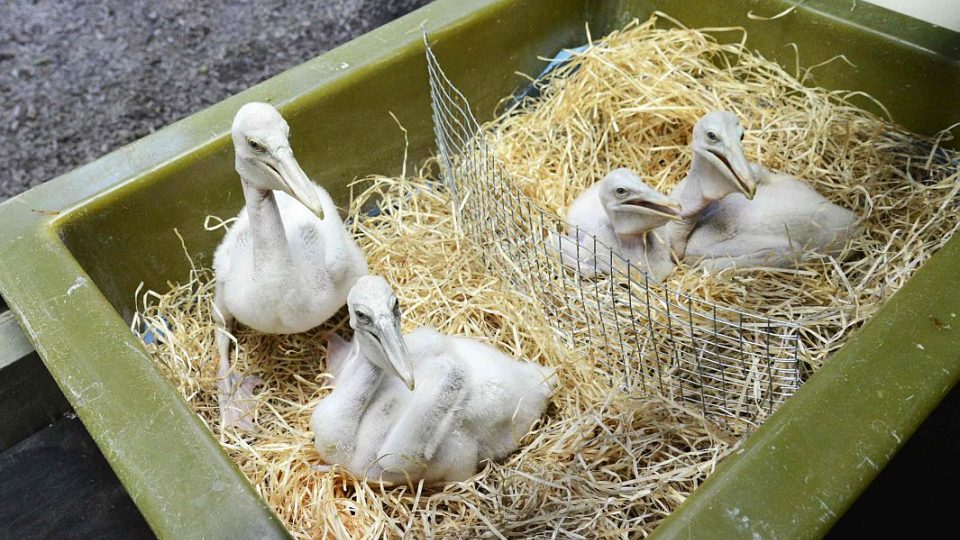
[{"x": 642, "y": 336}]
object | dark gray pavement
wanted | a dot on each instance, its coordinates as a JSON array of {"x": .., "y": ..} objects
[{"x": 83, "y": 77}]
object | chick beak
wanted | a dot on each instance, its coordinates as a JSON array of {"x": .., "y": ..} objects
[
  {"x": 395, "y": 349},
  {"x": 672, "y": 208},
  {"x": 737, "y": 162},
  {"x": 659, "y": 203},
  {"x": 296, "y": 182}
]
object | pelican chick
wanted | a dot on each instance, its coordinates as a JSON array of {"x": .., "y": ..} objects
[
  {"x": 424, "y": 406},
  {"x": 621, "y": 211},
  {"x": 287, "y": 263},
  {"x": 718, "y": 169},
  {"x": 785, "y": 223}
]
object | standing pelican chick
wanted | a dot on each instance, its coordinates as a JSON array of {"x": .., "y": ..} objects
[
  {"x": 424, "y": 406},
  {"x": 621, "y": 211},
  {"x": 288, "y": 263}
]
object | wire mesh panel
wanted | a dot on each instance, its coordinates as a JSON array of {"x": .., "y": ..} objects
[{"x": 642, "y": 335}]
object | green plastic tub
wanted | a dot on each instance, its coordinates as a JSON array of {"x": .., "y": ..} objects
[{"x": 73, "y": 251}]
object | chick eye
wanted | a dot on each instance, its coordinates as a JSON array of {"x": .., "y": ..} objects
[
  {"x": 257, "y": 146},
  {"x": 363, "y": 318},
  {"x": 741, "y": 135},
  {"x": 396, "y": 307},
  {"x": 712, "y": 136},
  {"x": 621, "y": 191}
]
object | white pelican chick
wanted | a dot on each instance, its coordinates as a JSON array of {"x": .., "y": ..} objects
[
  {"x": 470, "y": 401},
  {"x": 287, "y": 263},
  {"x": 622, "y": 212},
  {"x": 718, "y": 170},
  {"x": 786, "y": 222}
]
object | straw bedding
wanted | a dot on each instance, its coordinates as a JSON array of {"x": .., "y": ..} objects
[
  {"x": 601, "y": 464},
  {"x": 632, "y": 101}
]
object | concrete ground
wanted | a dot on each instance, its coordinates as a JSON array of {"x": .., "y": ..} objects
[{"x": 83, "y": 77}]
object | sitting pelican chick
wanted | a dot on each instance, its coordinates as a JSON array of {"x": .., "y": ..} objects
[
  {"x": 470, "y": 402},
  {"x": 785, "y": 223},
  {"x": 287, "y": 263},
  {"x": 621, "y": 211},
  {"x": 718, "y": 169}
]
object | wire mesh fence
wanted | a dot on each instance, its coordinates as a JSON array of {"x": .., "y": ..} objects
[{"x": 642, "y": 335}]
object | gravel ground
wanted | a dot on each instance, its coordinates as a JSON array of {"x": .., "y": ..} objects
[{"x": 81, "y": 78}]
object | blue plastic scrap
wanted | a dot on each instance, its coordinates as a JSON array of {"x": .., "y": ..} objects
[
  {"x": 560, "y": 59},
  {"x": 152, "y": 334}
]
